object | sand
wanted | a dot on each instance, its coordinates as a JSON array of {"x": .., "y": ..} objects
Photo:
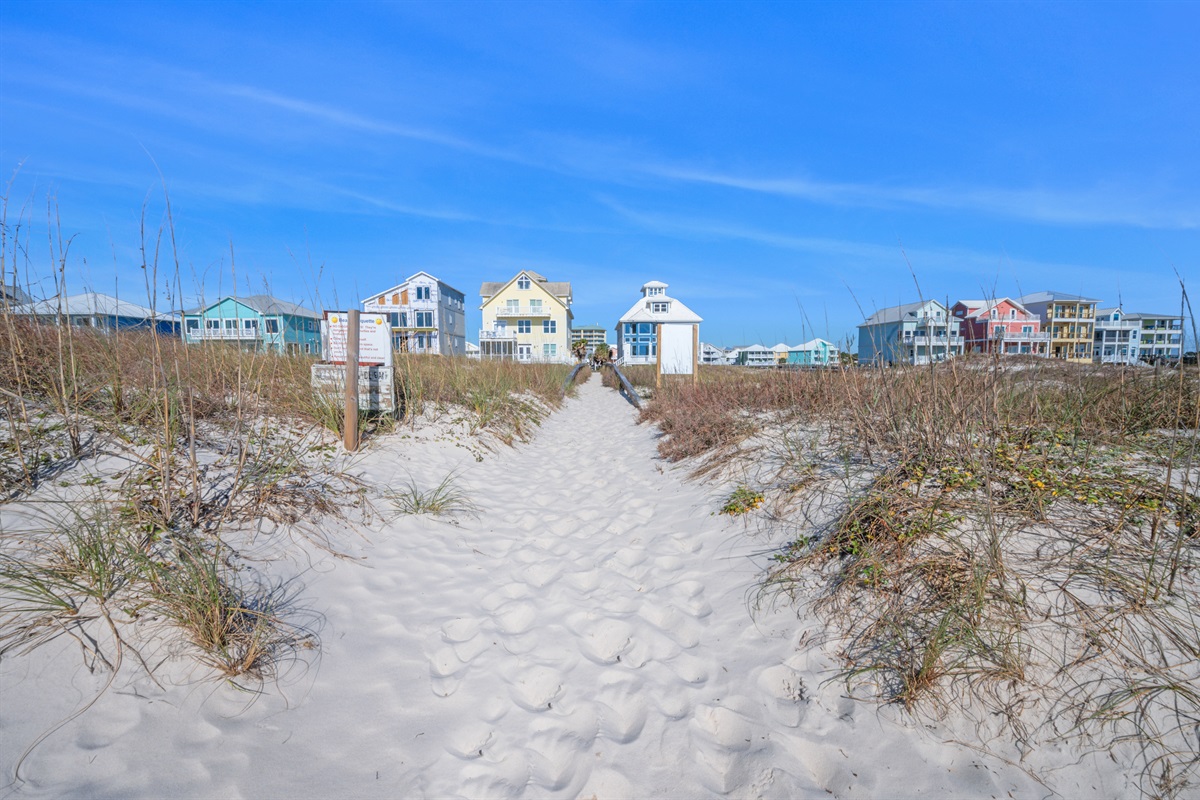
[{"x": 589, "y": 630}]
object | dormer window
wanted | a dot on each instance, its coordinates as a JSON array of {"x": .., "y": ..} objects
[
  {"x": 655, "y": 290},
  {"x": 523, "y": 282},
  {"x": 660, "y": 308}
]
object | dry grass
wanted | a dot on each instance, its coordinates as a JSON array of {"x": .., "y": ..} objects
[{"x": 1018, "y": 533}]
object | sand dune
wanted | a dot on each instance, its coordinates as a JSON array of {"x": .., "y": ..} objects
[{"x": 585, "y": 632}]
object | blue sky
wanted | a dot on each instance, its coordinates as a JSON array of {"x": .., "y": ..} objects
[{"x": 779, "y": 165}]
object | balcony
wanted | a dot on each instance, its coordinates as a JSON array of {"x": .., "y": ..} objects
[
  {"x": 934, "y": 341},
  {"x": 498, "y": 336},
  {"x": 1005, "y": 336},
  {"x": 522, "y": 311},
  {"x": 1121, "y": 325},
  {"x": 224, "y": 334}
]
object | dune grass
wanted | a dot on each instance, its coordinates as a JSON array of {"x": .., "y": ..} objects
[{"x": 1024, "y": 532}]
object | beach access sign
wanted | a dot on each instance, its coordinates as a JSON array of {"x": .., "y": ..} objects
[
  {"x": 376, "y": 386},
  {"x": 374, "y": 338}
]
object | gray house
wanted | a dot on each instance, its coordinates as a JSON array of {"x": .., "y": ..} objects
[{"x": 914, "y": 333}]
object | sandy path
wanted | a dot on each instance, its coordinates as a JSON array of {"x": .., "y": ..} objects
[{"x": 587, "y": 633}]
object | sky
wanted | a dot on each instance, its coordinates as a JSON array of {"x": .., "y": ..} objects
[{"x": 786, "y": 168}]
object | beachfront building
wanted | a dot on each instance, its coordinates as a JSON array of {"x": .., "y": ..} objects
[
  {"x": 815, "y": 353},
  {"x": 526, "y": 318},
  {"x": 712, "y": 355},
  {"x": 592, "y": 334},
  {"x": 755, "y": 355},
  {"x": 427, "y": 315},
  {"x": 1131, "y": 338},
  {"x": 100, "y": 312},
  {"x": 658, "y": 319},
  {"x": 914, "y": 333},
  {"x": 1001, "y": 326},
  {"x": 1070, "y": 321},
  {"x": 258, "y": 322},
  {"x": 472, "y": 350},
  {"x": 13, "y": 295}
]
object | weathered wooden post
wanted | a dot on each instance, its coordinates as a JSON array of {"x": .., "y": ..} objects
[
  {"x": 350, "y": 420},
  {"x": 658, "y": 344}
]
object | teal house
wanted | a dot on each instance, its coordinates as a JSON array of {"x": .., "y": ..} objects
[
  {"x": 258, "y": 322},
  {"x": 814, "y": 353}
]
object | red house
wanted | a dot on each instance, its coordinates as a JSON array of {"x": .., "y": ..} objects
[{"x": 1000, "y": 326}]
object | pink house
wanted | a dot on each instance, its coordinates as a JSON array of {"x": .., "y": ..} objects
[{"x": 1002, "y": 325}]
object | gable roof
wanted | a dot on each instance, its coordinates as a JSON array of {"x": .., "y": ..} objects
[
  {"x": 263, "y": 304},
  {"x": 90, "y": 303},
  {"x": 556, "y": 289},
  {"x": 640, "y": 311},
  {"x": 1053, "y": 297},
  {"x": 984, "y": 307},
  {"x": 409, "y": 280},
  {"x": 897, "y": 313}
]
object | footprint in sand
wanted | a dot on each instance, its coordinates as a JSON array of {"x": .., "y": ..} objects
[
  {"x": 535, "y": 687},
  {"x": 784, "y": 694},
  {"x": 553, "y": 755},
  {"x": 470, "y": 742},
  {"x": 605, "y": 641},
  {"x": 516, "y": 617},
  {"x": 622, "y": 712},
  {"x": 721, "y": 740}
]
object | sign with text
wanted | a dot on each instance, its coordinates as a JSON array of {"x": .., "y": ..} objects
[
  {"x": 374, "y": 338},
  {"x": 376, "y": 386}
]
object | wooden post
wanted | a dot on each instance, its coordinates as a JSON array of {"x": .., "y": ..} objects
[
  {"x": 350, "y": 419},
  {"x": 695, "y": 354},
  {"x": 658, "y": 356}
]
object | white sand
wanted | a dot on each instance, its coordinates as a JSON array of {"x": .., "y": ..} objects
[{"x": 587, "y": 633}]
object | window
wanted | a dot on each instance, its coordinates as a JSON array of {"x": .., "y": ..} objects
[
  {"x": 630, "y": 329},
  {"x": 272, "y": 325},
  {"x": 1026, "y": 329},
  {"x": 424, "y": 319},
  {"x": 1012, "y": 313},
  {"x": 549, "y": 350},
  {"x": 423, "y": 292},
  {"x": 307, "y": 347},
  {"x": 660, "y": 308},
  {"x": 512, "y": 306},
  {"x": 535, "y": 306},
  {"x": 522, "y": 282},
  {"x": 394, "y": 318},
  {"x": 403, "y": 319},
  {"x": 193, "y": 324},
  {"x": 229, "y": 324},
  {"x": 524, "y": 326},
  {"x": 549, "y": 326},
  {"x": 250, "y": 324},
  {"x": 212, "y": 324}
]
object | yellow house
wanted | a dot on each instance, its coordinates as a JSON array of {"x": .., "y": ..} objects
[
  {"x": 527, "y": 318},
  {"x": 1069, "y": 319}
]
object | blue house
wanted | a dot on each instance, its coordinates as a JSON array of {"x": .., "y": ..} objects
[
  {"x": 258, "y": 322},
  {"x": 100, "y": 312},
  {"x": 814, "y": 353}
]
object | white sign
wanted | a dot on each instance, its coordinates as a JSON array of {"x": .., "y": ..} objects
[
  {"x": 374, "y": 338},
  {"x": 675, "y": 346},
  {"x": 376, "y": 386}
]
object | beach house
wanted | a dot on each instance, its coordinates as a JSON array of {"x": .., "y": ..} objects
[
  {"x": 655, "y": 321},
  {"x": 257, "y": 322},
  {"x": 755, "y": 355},
  {"x": 1130, "y": 338},
  {"x": 100, "y": 312},
  {"x": 426, "y": 314},
  {"x": 913, "y": 333},
  {"x": 1001, "y": 326},
  {"x": 1069, "y": 319},
  {"x": 814, "y": 353},
  {"x": 712, "y": 355},
  {"x": 526, "y": 318}
]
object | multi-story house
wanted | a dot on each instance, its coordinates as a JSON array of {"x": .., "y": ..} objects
[
  {"x": 814, "y": 353},
  {"x": 639, "y": 328},
  {"x": 259, "y": 322},
  {"x": 427, "y": 315},
  {"x": 914, "y": 333},
  {"x": 1129, "y": 338},
  {"x": 527, "y": 318},
  {"x": 1069, "y": 319},
  {"x": 592, "y": 334},
  {"x": 712, "y": 355},
  {"x": 99, "y": 312},
  {"x": 755, "y": 355},
  {"x": 1001, "y": 326},
  {"x": 1161, "y": 337}
]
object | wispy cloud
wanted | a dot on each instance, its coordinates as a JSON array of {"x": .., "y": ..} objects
[{"x": 1098, "y": 207}]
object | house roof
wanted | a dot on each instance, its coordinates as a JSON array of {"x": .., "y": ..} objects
[
  {"x": 409, "y": 280},
  {"x": 559, "y": 289},
  {"x": 640, "y": 311},
  {"x": 14, "y": 293},
  {"x": 983, "y": 307},
  {"x": 813, "y": 344},
  {"x": 91, "y": 303},
  {"x": 897, "y": 313},
  {"x": 263, "y": 304},
  {"x": 1135, "y": 314},
  {"x": 1054, "y": 297}
]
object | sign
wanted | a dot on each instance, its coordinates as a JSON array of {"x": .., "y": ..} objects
[
  {"x": 374, "y": 338},
  {"x": 376, "y": 386}
]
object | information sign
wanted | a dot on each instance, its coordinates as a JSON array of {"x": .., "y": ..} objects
[{"x": 374, "y": 338}]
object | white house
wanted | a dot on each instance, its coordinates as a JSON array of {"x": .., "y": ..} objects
[
  {"x": 660, "y": 330},
  {"x": 427, "y": 315},
  {"x": 711, "y": 354}
]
